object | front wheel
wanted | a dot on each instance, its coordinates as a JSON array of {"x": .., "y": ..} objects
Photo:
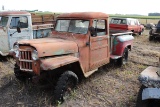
[
  {"x": 124, "y": 58},
  {"x": 66, "y": 82},
  {"x": 141, "y": 32}
]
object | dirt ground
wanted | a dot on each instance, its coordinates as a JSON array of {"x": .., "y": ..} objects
[{"x": 110, "y": 86}]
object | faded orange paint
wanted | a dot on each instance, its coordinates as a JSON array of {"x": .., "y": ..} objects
[
  {"x": 63, "y": 48},
  {"x": 53, "y": 63},
  {"x": 52, "y": 46},
  {"x": 84, "y": 15}
]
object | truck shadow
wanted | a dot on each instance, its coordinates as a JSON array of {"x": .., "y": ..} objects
[
  {"x": 16, "y": 93},
  {"x": 5, "y": 58}
]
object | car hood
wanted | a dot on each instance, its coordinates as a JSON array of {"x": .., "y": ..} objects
[{"x": 51, "y": 46}]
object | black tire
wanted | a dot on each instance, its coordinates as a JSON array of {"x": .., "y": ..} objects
[
  {"x": 145, "y": 103},
  {"x": 124, "y": 58},
  {"x": 66, "y": 82},
  {"x": 151, "y": 38},
  {"x": 19, "y": 74},
  {"x": 140, "y": 33}
]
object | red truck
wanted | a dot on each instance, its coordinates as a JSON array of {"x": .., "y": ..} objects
[
  {"x": 126, "y": 24},
  {"x": 80, "y": 43}
]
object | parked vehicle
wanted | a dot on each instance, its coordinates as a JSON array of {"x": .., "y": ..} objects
[
  {"x": 149, "y": 93},
  {"x": 149, "y": 25},
  {"x": 32, "y": 26},
  {"x": 154, "y": 32},
  {"x": 127, "y": 24},
  {"x": 79, "y": 45}
]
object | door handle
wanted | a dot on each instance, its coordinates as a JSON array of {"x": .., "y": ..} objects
[{"x": 87, "y": 44}]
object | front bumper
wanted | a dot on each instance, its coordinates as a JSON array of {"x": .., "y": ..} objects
[{"x": 151, "y": 93}]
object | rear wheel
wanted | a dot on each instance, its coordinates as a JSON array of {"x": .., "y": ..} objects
[
  {"x": 65, "y": 84},
  {"x": 124, "y": 58}
]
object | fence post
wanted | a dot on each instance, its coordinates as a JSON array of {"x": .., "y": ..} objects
[{"x": 146, "y": 21}]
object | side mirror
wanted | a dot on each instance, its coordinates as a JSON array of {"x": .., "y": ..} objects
[
  {"x": 93, "y": 31},
  {"x": 18, "y": 30}
]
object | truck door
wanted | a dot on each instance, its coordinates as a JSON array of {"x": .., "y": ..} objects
[
  {"x": 4, "y": 47},
  {"x": 14, "y": 36},
  {"x": 99, "y": 44}
]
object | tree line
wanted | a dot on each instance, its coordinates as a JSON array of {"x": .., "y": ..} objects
[{"x": 153, "y": 14}]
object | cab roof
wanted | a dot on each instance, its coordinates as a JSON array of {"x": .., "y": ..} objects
[
  {"x": 84, "y": 15},
  {"x": 123, "y": 18},
  {"x": 9, "y": 13}
]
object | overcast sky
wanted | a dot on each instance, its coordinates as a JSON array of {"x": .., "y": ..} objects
[{"x": 108, "y": 6}]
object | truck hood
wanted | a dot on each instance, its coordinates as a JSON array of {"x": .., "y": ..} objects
[{"x": 51, "y": 46}]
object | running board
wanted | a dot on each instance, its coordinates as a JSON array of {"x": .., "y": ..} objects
[{"x": 87, "y": 74}]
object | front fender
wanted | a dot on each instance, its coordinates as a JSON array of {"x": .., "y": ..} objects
[
  {"x": 120, "y": 43},
  {"x": 56, "y": 62}
]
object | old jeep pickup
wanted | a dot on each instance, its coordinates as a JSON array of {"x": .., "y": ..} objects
[
  {"x": 79, "y": 44},
  {"x": 149, "y": 93},
  {"x": 32, "y": 26}
]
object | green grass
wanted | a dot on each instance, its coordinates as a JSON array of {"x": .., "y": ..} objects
[{"x": 138, "y": 17}]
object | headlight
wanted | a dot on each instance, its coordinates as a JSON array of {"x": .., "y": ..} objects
[
  {"x": 34, "y": 55},
  {"x": 15, "y": 47},
  {"x": 16, "y": 50}
]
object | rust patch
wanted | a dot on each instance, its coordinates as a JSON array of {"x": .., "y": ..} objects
[{"x": 52, "y": 63}]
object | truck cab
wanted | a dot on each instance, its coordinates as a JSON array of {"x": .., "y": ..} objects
[
  {"x": 8, "y": 29},
  {"x": 10, "y": 21},
  {"x": 80, "y": 43}
]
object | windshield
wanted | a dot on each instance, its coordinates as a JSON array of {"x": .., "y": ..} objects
[
  {"x": 3, "y": 21},
  {"x": 73, "y": 26}
]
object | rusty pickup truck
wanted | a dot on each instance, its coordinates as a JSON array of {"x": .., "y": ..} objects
[
  {"x": 80, "y": 43},
  {"x": 32, "y": 26}
]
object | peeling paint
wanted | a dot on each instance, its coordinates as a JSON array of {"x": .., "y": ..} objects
[{"x": 59, "y": 52}]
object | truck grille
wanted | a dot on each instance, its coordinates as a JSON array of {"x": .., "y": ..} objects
[{"x": 25, "y": 60}]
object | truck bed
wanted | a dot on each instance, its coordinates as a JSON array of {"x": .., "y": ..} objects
[
  {"x": 114, "y": 31},
  {"x": 43, "y": 19}
]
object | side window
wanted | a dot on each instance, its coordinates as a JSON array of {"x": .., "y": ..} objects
[
  {"x": 21, "y": 22},
  {"x": 99, "y": 26},
  {"x": 132, "y": 22}
]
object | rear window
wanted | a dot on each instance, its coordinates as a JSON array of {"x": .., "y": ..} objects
[{"x": 118, "y": 21}]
